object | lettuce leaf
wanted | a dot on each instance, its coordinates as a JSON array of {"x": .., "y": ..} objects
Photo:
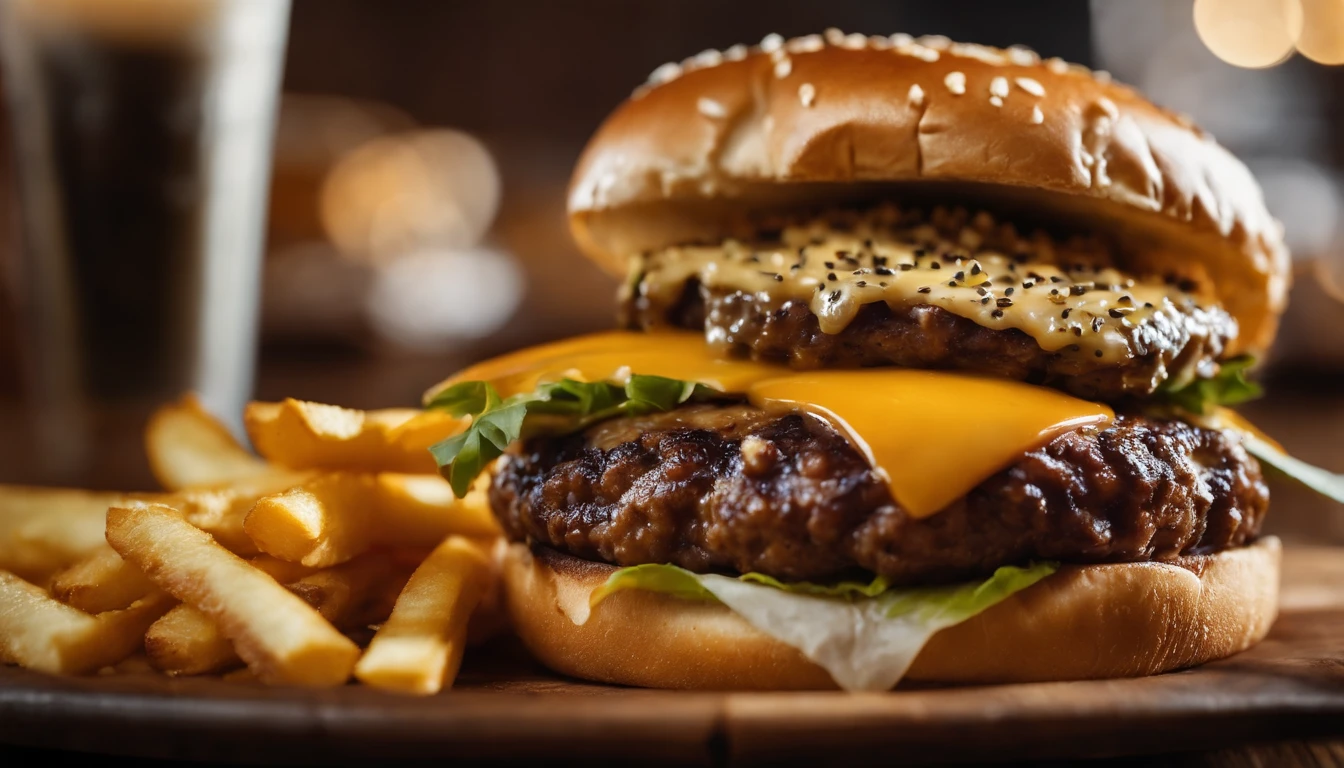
[
  {"x": 865, "y": 635},
  {"x": 559, "y": 408},
  {"x": 1229, "y": 387},
  {"x": 1322, "y": 481}
]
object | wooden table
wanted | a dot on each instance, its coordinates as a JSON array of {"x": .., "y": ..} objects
[{"x": 1288, "y": 689}]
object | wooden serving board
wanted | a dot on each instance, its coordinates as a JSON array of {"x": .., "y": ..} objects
[{"x": 507, "y": 708}]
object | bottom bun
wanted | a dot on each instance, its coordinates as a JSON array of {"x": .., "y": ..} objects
[{"x": 1083, "y": 622}]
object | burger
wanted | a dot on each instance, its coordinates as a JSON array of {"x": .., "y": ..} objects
[{"x": 924, "y": 368}]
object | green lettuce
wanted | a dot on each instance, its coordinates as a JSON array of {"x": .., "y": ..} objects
[
  {"x": 1200, "y": 396},
  {"x": 1322, "y": 481},
  {"x": 865, "y": 635},
  {"x": 559, "y": 408}
]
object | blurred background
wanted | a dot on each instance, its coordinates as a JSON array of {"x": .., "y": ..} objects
[{"x": 422, "y": 150}]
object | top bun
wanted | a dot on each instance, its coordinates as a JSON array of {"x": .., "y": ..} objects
[{"x": 839, "y": 119}]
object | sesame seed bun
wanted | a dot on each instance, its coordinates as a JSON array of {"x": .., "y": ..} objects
[
  {"x": 1083, "y": 622},
  {"x": 848, "y": 119}
]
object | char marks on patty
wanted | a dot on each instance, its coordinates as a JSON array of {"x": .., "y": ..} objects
[{"x": 735, "y": 488}]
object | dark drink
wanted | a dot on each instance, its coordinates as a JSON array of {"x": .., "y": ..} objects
[{"x": 142, "y": 145}]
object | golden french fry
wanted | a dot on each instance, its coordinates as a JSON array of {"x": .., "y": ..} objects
[
  {"x": 100, "y": 582},
  {"x": 279, "y": 636},
  {"x": 419, "y": 648},
  {"x": 304, "y": 435},
  {"x": 43, "y": 530},
  {"x": 338, "y": 516},
  {"x": 42, "y": 633},
  {"x": 189, "y": 448},
  {"x": 421, "y": 510},
  {"x": 220, "y": 512},
  {"x": 283, "y": 571},
  {"x": 321, "y": 523},
  {"x": 185, "y": 641}
]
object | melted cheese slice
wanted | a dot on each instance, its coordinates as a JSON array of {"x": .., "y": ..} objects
[{"x": 932, "y": 435}]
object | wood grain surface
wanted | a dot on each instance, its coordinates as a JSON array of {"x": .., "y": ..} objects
[{"x": 1289, "y": 689}]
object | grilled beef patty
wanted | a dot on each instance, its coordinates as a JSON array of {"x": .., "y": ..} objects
[
  {"x": 741, "y": 324},
  {"x": 735, "y": 488}
]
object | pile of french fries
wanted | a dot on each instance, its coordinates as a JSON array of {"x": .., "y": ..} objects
[{"x": 337, "y": 553}]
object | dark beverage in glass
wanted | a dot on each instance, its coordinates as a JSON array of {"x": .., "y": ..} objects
[{"x": 142, "y": 144}]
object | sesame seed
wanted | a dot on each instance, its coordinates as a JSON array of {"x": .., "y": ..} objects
[
  {"x": 669, "y": 71},
  {"x": 707, "y": 58},
  {"x": 955, "y": 82},
  {"x": 1097, "y": 353},
  {"x": 1077, "y": 330},
  {"x": 951, "y": 283},
  {"x": 959, "y": 275},
  {"x": 916, "y": 95},
  {"x": 981, "y": 290},
  {"x": 1008, "y": 291},
  {"x": 999, "y": 87},
  {"x": 1030, "y": 86},
  {"x": 996, "y": 313},
  {"x": 855, "y": 41},
  {"x": 862, "y": 283},
  {"x": 1004, "y": 302},
  {"x": 975, "y": 269},
  {"x": 936, "y": 265},
  {"x": 710, "y": 108},
  {"x": 985, "y": 300},
  {"x": 830, "y": 276},
  {"x": 783, "y": 67},
  {"x": 1037, "y": 116},
  {"x": 834, "y": 36},
  {"x": 807, "y": 94},
  {"x": 772, "y": 42},
  {"x": 996, "y": 101},
  {"x": 1065, "y": 313},
  {"x": 736, "y": 53},
  {"x": 925, "y": 289},
  {"x": 806, "y": 44}
]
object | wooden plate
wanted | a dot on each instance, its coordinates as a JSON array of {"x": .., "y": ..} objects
[{"x": 507, "y": 708}]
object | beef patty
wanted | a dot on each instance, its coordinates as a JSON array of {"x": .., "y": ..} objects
[
  {"x": 924, "y": 336},
  {"x": 734, "y": 488}
]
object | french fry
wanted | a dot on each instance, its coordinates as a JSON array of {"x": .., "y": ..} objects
[
  {"x": 321, "y": 523},
  {"x": 185, "y": 641},
  {"x": 189, "y": 448},
  {"x": 338, "y": 516},
  {"x": 280, "y": 637},
  {"x": 304, "y": 435},
  {"x": 100, "y": 582},
  {"x": 220, "y": 512},
  {"x": 42, "y": 633},
  {"x": 419, "y": 648},
  {"x": 421, "y": 510},
  {"x": 43, "y": 530}
]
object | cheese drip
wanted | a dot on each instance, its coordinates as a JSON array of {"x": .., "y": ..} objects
[
  {"x": 1066, "y": 297},
  {"x": 933, "y": 436}
]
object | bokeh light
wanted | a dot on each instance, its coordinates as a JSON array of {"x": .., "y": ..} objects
[
  {"x": 1249, "y": 33},
  {"x": 429, "y": 299},
  {"x": 433, "y": 188},
  {"x": 1322, "y": 37}
]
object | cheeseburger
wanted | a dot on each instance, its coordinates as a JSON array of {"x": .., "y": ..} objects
[{"x": 926, "y": 356}]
